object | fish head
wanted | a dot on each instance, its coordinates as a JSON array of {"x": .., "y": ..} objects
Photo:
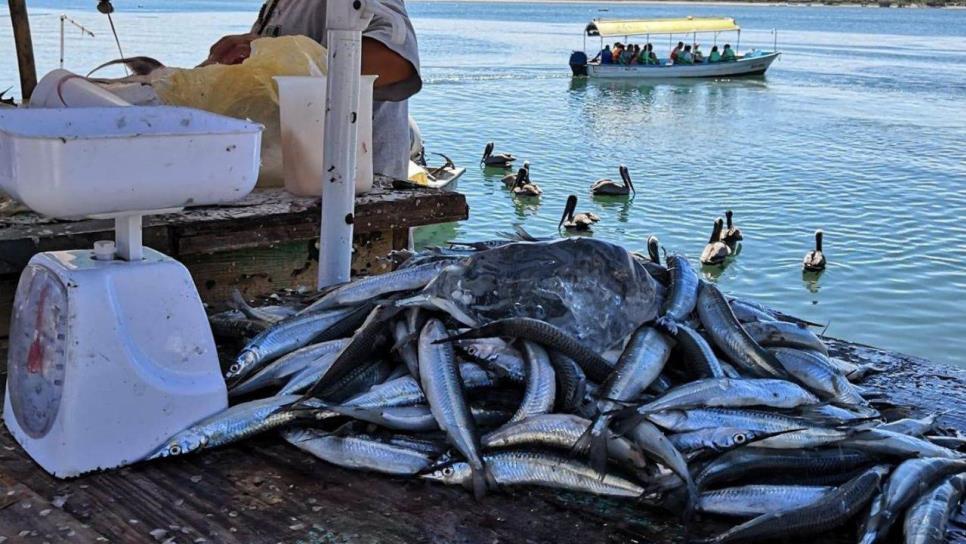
[
  {"x": 246, "y": 359},
  {"x": 184, "y": 442},
  {"x": 727, "y": 438},
  {"x": 458, "y": 473}
]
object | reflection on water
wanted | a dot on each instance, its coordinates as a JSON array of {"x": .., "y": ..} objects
[{"x": 810, "y": 280}]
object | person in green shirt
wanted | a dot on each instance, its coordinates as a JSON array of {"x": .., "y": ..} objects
[
  {"x": 685, "y": 57},
  {"x": 728, "y": 55},
  {"x": 715, "y": 56}
]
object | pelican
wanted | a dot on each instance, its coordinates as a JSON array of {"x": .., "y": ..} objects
[
  {"x": 496, "y": 159},
  {"x": 815, "y": 260},
  {"x": 523, "y": 186},
  {"x": 511, "y": 179},
  {"x": 581, "y": 221},
  {"x": 716, "y": 251},
  {"x": 731, "y": 234},
  {"x": 652, "y": 249},
  {"x": 610, "y": 187}
]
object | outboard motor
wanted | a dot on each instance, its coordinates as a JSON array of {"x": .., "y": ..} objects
[{"x": 578, "y": 63}]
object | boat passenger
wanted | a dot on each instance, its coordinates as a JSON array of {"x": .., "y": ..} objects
[
  {"x": 605, "y": 56},
  {"x": 728, "y": 54},
  {"x": 715, "y": 56},
  {"x": 626, "y": 55},
  {"x": 685, "y": 57},
  {"x": 651, "y": 57},
  {"x": 698, "y": 55},
  {"x": 635, "y": 55},
  {"x": 676, "y": 51}
]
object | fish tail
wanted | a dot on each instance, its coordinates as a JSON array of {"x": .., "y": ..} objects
[
  {"x": 593, "y": 443},
  {"x": 480, "y": 477}
]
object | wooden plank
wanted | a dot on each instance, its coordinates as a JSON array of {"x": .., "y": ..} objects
[{"x": 27, "y": 517}]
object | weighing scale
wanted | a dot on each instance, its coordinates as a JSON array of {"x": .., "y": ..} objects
[{"x": 110, "y": 348}]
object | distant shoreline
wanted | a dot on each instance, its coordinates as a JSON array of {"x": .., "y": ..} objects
[{"x": 954, "y": 4}]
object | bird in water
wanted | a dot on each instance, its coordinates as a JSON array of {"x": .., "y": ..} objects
[
  {"x": 496, "y": 159},
  {"x": 815, "y": 260},
  {"x": 580, "y": 221},
  {"x": 716, "y": 251},
  {"x": 609, "y": 187},
  {"x": 731, "y": 234},
  {"x": 511, "y": 179},
  {"x": 523, "y": 186}
]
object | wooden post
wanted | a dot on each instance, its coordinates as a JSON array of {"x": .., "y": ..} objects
[{"x": 25, "y": 47}]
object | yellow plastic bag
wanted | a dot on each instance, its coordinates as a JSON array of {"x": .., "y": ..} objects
[{"x": 247, "y": 90}]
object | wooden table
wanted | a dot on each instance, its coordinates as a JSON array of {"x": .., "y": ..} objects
[
  {"x": 263, "y": 243},
  {"x": 264, "y": 490}
]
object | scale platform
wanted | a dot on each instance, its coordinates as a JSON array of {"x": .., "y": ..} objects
[{"x": 110, "y": 348}]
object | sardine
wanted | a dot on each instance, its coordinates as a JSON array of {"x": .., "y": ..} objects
[
  {"x": 729, "y": 393},
  {"x": 560, "y": 431},
  {"x": 927, "y": 518},
  {"x": 496, "y": 356},
  {"x": 640, "y": 364},
  {"x": 236, "y": 423},
  {"x": 731, "y": 338},
  {"x": 812, "y": 370},
  {"x": 360, "y": 452},
  {"x": 782, "y": 334},
  {"x": 830, "y": 512},
  {"x": 884, "y": 442},
  {"x": 539, "y": 469},
  {"x": 373, "y": 287},
  {"x": 541, "y": 389},
  {"x": 406, "y": 348},
  {"x": 419, "y": 418},
  {"x": 910, "y": 426},
  {"x": 283, "y": 338},
  {"x": 718, "y": 439},
  {"x": 596, "y": 367},
  {"x": 268, "y": 314},
  {"x": 744, "y": 463},
  {"x": 360, "y": 379},
  {"x": 682, "y": 293},
  {"x": 443, "y": 385},
  {"x": 652, "y": 441},
  {"x": 406, "y": 391},
  {"x": 750, "y": 313},
  {"x": 278, "y": 371},
  {"x": 571, "y": 383},
  {"x": 755, "y": 500},
  {"x": 705, "y": 418},
  {"x": 907, "y": 483},
  {"x": 694, "y": 350}
]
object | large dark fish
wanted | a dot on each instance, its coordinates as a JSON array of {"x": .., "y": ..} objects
[
  {"x": 682, "y": 294},
  {"x": 693, "y": 350},
  {"x": 731, "y": 338},
  {"x": 754, "y": 463}
]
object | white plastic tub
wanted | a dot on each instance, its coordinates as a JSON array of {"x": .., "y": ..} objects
[{"x": 71, "y": 163}]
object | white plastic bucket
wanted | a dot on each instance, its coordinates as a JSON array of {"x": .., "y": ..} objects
[
  {"x": 302, "y": 113},
  {"x": 63, "y": 89}
]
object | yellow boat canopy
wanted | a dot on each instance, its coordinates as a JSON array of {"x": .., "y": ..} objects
[{"x": 684, "y": 25}]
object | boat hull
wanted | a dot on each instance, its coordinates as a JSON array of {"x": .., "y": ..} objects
[{"x": 753, "y": 66}]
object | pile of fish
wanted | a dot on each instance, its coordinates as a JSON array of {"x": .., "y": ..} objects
[{"x": 580, "y": 366}]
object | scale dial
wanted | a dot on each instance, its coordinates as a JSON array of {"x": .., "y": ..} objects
[{"x": 37, "y": 355}]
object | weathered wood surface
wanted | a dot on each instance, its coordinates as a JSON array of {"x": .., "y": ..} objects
[
  {"x": 264, "y": 490},
  {"x": 263, "y": 243}
]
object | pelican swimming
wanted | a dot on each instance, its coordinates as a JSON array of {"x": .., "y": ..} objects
[
  {"x": 731, "y": 234},
  {"x": 580, "y": 221},
  {"x": 610, "y": 187},
  {"x": 716, "y": 251},
  {"x": 523, "y": 186},
  {"x": 511, "y": 179},
  {"x": 496, "y": 159},
  {"x": 815, "y": 260},
  {"x": 652, "y": 249}
]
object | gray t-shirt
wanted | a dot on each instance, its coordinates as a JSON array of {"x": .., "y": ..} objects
[{"x": 390, "y": 119}]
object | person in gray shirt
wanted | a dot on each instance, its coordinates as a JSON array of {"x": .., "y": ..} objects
[{"x": 397, "y": 66}]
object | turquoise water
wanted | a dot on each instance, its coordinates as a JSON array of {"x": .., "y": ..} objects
[{"x": 859, "y": 129}]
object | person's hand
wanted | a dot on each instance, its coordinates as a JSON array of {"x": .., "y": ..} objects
[{"x": 231, "y": 49}]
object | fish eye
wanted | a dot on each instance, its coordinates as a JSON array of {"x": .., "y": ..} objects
[
  {"x": 740, "y": 438},
  {"x": 448, "y": 471},
  {"x": 234, "y": 368},
  {"x": 175, "y": 450}
]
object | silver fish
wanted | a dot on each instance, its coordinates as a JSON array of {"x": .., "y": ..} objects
[
  {"x": 497, "y": 356},
  {"x": 302, "y": 381},
  {"x": 749, "y": 313},
  {"x": 908, "y": 481},
  {"x": 541, "y": 389},
  {"x": 406, "y": 391},
  {"x": 652, "y": 441},
  {"x": 236, "y": 423},
  {"x": 894, "y": 444},
  {"x": 812, "y": 370},
  {"x": 755, "y": 500},
  {"x": 910, "y": 426},
  {"x": 360, "y": 452},
  {"x": 277, "y": 371},
  {"x": 830, "y": 512},
  {"x": 717, "y": 439},
  {"x": 402, "y": 335},
  {"x": 785, "y": 334},
  {"x": 443, "y": 385},
  {"x": 539, "y": 469},
  {"x": 372, "y": 287},
  {"x": 266, "y": 314},
  {"x": 282, "y": 338},
  {"x": 726, "y": 392},
  {"x": 698, "y": 357},
  {"x": 419, "y": 418},
  {"x": 731, "y": 338},
  {"x": 927, "y": 518},
  {"x": 559, "y": 431},
  {"x": 682, "y": 293}
]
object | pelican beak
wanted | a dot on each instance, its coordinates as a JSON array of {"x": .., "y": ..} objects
[
  {"x": 626, "y": 176},
  {"x": 568, "y": 210}
]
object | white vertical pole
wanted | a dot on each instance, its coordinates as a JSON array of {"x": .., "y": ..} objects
[{"x": 127, "y": 236}]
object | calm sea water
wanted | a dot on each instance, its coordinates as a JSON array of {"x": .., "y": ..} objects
[{"x": 858, "y": 129}]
